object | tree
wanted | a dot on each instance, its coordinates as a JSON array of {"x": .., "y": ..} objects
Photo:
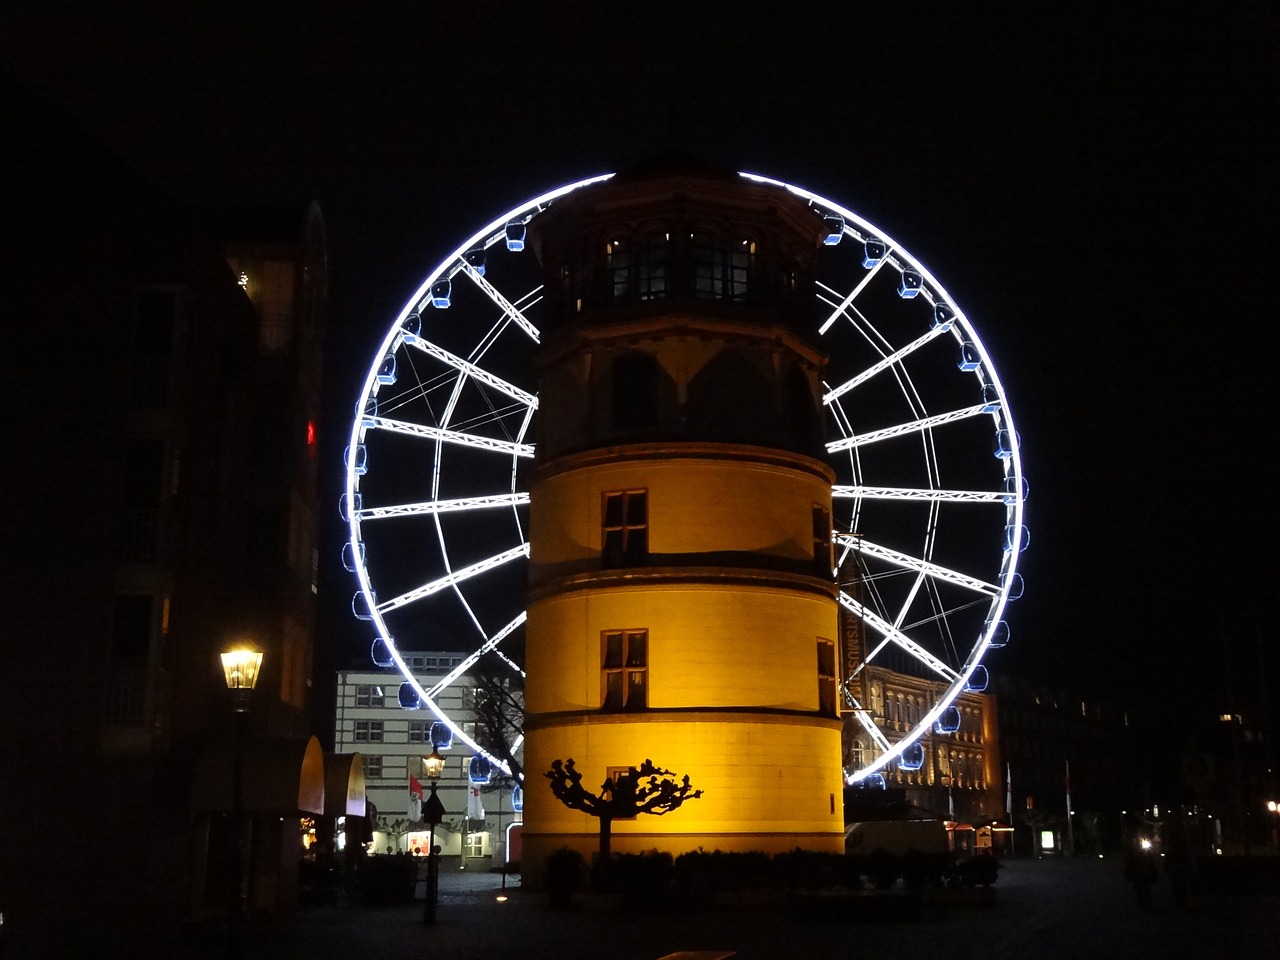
[
  {"x": 644, "y": 789},
  {"x": 498, "y": 707}
]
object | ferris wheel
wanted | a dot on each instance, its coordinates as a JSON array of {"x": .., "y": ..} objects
[{"x": 928, "y": 501}]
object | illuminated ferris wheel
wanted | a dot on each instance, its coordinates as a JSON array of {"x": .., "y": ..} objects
[{"x": 928, "y": 498}]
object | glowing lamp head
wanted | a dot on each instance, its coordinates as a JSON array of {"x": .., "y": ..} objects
[
  {"x": 433, "y": 765},
  {"x": 1145, "y": 844},
  {"x": 240, "y": 667}
]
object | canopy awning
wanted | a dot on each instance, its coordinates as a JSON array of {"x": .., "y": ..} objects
[
  {"x": 284, "y": 777},
  {"x": 344, "y": 794}
]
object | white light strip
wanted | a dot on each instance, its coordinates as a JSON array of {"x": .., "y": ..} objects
[
  {"x": 432, "y": 507},
  {"x": 846, "y": 492},
  {"x": 466, "y": 573},
  {"x": 873, "y": 731},
  {"x": 882, "y": 364},
  {"x": 508, "y": 308},
  {"x": 871, "y": 549},
  {"x": 474, "y": 372},
  {"x": 889, "y": 631},
  {"x": 844, "y": 305},
  {"x": 484, "y": 648},
  {"x": 450, "y": 436},
  {"x": 902, "y": 429}
]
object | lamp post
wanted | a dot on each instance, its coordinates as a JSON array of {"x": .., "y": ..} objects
[
  {"x": 240, "y": 666},
  {"x": 432, "y": 813}
]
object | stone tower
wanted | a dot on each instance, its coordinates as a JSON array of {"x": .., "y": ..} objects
[{"x": 682, "y": 605}]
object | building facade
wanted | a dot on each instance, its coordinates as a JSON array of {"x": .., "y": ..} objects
[
  {"x": 138, "y": 383},
  {"x": 392, "y": 743},
  {"x": 681, "y": 604}
]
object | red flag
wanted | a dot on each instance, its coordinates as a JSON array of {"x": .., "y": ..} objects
[{"x": 415, "y": 788}]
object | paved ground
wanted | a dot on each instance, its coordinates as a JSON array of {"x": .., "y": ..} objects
[
  {"x": 1051, "y": 909},
  {"x": 1044, "y": 910}
]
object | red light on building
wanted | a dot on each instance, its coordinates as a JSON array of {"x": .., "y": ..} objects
[{"x": 311, "y": 439}]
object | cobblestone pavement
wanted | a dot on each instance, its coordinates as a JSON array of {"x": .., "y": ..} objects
[{"x": 1047, "y": 909}]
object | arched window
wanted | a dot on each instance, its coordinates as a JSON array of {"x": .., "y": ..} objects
[
  {"x": 720, "y": 271},
  {"x": 652, "y": 266},
  {"x": 618, "y": 257},
  {"x": 635, "y": 390}
]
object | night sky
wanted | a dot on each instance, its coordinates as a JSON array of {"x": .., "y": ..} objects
[{"x": 1095, "y": 188}]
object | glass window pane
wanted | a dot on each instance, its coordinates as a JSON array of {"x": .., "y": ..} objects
[
  {"x": 613, "y": 651},
  {"x": 613, "y": 691},
  {"x": 613, "y": 510},
  {"x": 638, "y": 689},
  {"x": 637, "y": 649},
  {"x": 637, "y": 509}
]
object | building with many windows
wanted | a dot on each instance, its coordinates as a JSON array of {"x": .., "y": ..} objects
[
  {"x": 167, "y": 485},
  {"x": 392, "y": 742},
  {"x": 959, "y": 776}
]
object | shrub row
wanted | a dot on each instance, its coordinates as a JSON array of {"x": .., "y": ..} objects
[{"x": 704, "y": 875}]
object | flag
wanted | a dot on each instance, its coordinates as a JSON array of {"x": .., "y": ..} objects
[
  {"x": 415, "y": 799},
  {"x": 475, "y": 808}
]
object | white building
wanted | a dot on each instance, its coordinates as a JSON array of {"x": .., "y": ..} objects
[{"x": 392, "y": 742}]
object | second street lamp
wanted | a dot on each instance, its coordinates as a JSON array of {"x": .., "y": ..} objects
[
  {"x": 240, "y": 667},
  {"x": 432, "y": 814}
]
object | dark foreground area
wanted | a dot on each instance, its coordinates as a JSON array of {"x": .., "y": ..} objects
[{"x": 1042, "y": 909}]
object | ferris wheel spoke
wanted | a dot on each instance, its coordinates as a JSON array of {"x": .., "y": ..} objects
[
  {"x": 431, "y": 507},
  {"x": 870, "y": 548},
  {"x": 896, "y": 636},
  {"x": 861, "y": 492},
  {"x": 508, "y": 308},
  {"x": 479, "y": 374},
  {"x": 882, "y": 364},
  {"x": 455, "y": 577},
  {"x": 443, "y": 435},
  {"x": 874, "y": 732},
  {"x": 489, "y": 646},
  {"x": 903, "y": 429},
  {"x": 848, "y": 301}
]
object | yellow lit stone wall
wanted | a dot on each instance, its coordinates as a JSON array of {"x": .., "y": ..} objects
[
  {"x": 734, "y": 610},
  {"x": 771, "y": 783},
  {"x": 711, "y": 644},
  {"x": 701, "y": 499}
]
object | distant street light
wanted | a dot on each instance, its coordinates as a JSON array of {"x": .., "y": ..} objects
[
  {"x": 240, "y": 667},
  {"x": 432, "y": 813}
]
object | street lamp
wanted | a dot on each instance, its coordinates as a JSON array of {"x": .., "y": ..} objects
[
  {"x": 240, "y": 666},
  {"x": 432, "y": 813}
]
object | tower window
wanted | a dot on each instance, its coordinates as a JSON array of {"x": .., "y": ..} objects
[
  {"x": 618, "y": 268},
  {"x": 720, "y": 272},
  {"x": 827, "y": 677},
  {"x": 625, "y": 528},
  {"x": 624, "y": 669},
  {"x": 635, "y": 391},
  {"x": 822, "y": 565},
  {"x": 652, "y": 272}
]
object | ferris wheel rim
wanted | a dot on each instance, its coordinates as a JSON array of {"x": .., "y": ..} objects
[{"x": 962, "y": 329}]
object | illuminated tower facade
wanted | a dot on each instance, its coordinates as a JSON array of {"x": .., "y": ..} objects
[{"x": 682, "y": 605}]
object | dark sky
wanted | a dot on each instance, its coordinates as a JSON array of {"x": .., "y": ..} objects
[{"x": 1095, "y": 186}]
